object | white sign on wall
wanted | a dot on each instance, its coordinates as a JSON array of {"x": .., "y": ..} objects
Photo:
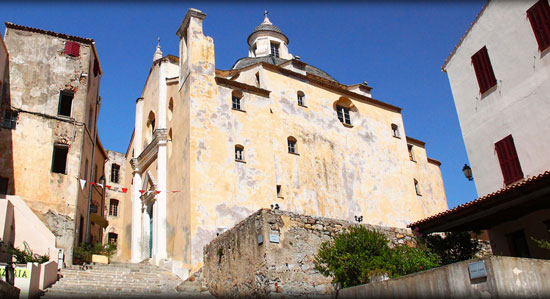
[{"x": 477, "y": 269}]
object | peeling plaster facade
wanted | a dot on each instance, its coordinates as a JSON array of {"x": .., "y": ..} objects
[
  {"x": 186, "y": 133},
  {"x": 39, "y": 70}
]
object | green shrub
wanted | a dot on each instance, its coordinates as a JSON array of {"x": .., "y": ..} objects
[
  {"x": 454, "y": 247},
  {"x": 84, "y": 252},
  {"x": 27, "y": 255},
  {"x": 542, "y": 243},
  {"x": 352, "y": 257}
]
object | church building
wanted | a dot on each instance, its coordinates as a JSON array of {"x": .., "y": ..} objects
[{"x": 212, "y": 146}]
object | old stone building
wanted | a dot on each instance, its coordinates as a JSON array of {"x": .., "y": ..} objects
[
  {"x": 49, "y": 131},
  {"x": 212, "y": 146},
  {"x": 117, "y": 232}
]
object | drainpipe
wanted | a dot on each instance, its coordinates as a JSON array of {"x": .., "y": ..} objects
[{"x": 98, "y": 101}]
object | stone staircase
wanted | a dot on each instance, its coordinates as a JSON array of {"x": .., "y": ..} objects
[{"x": 119, "y": 280}]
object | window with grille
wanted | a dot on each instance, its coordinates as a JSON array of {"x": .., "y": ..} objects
[
  {"x": 508, "y": 160},
  {"x": 484, "y": 70},
  {"x": 10, "y": 119},
  {"x": 539, "y": 17},
  {"x": 115, "y": 170},
  {"x": 239, "y": 153},
  {"x": 113, "y": 207},
  {"x": 275, "y": 49},
  {"x": 343, "y": 115}
]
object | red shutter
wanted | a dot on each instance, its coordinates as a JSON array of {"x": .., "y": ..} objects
[
  {"x": 484, "y": 70},
  {"x": 72, "y": 48},
  {"x": 539, "y": 16},
  {"x": 508, "y": 159}
]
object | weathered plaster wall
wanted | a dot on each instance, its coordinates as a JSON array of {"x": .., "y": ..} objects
[
  {"x": 236, "y": 264},
  {"x": 117, "y": 224},
  {"x": 507, "y": 277},
  {"x": 39, "y": 70},
  {"x": 518, "y": 105}
]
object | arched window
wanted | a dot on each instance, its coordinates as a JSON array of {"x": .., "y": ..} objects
[
  {"x": 239, "y": 153},
  {"x": 301, "y": 98},
  {"x": 395, "y": 130},
  {"x": 150, "y": 126},
  {"x": 416, "y": 187},
  {"x": 236, "y": 100},
  {"x": 292, "y": 147},
  {"x": 170, "y": 108},
  {"x": 343, "y": 108}
]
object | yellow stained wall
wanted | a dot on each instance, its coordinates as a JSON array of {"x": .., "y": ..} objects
[
  {"x": 339, "y": 172},
  {"x": 56, "y": 198}
]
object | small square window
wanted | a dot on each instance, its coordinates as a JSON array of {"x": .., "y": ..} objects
[
  {"x": 59, "y": 159},
  {"x": 10, "y": 120},
  {"x": 65, "y": 103},
  {"x": 343, "y": 115}
]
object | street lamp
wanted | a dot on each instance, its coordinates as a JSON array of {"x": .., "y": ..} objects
[{"x": 467, "y": 172}]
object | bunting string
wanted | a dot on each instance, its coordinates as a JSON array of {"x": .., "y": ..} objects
[{"x": 121, "y": 189}]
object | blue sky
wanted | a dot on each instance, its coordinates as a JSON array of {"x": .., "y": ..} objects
[{"x": 397, "y": 46}]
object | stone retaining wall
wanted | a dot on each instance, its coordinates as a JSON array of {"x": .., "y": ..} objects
[{"x": 272, "y": 251}]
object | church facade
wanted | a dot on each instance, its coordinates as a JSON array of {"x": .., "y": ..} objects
[{"x": 212, "y": 146}]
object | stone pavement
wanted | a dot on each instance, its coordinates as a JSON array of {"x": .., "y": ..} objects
[{"x": 119, "y": 280}]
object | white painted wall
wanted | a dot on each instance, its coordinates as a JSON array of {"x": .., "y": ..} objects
[{"x": 520, "y": 105}]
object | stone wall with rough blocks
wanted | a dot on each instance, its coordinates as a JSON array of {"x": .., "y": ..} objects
[{"x": 272, "y": 251}]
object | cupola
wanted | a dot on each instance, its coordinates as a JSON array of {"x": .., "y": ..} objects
[{"x": 267, "y": 40}]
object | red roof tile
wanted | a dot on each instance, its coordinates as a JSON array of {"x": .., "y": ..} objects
[
  {"x": 60, "y": 35},
  {"x": 483, "y": 200}
]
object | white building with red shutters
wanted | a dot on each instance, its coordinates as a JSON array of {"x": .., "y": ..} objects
[{"x": 499, "y": 75}]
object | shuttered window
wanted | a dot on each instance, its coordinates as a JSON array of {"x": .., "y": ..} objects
[
  {"x": 539, "y": 16},
  {"x": 508, "y": 159},
  {"x": 484, "y": 70},
  {"x": 72, "y": 48}
]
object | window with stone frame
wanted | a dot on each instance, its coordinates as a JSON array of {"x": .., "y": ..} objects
[
  {"x": 115, "y": 171},
  {"x": 343, "y": 115},
  {"x": 113, "y": 207}
]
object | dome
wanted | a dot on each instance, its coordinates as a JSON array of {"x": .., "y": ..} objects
[{"x": 266, "y": 26}]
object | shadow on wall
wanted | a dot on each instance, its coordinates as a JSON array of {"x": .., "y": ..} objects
[{"x": 8, "y": 125}]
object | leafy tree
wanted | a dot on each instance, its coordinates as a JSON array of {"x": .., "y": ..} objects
[
  {"x": 352, "y": 257},
  {"x": 454, "y": 247}
]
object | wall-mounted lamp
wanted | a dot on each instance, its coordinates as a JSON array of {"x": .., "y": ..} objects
[{"x": 467, "y": 172}]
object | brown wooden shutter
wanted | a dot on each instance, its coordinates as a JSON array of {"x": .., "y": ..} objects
[
  {"x": 484, "y": 70},
  {"x": 508, "y": 159},
  {"x": 539, "y": 17}
]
